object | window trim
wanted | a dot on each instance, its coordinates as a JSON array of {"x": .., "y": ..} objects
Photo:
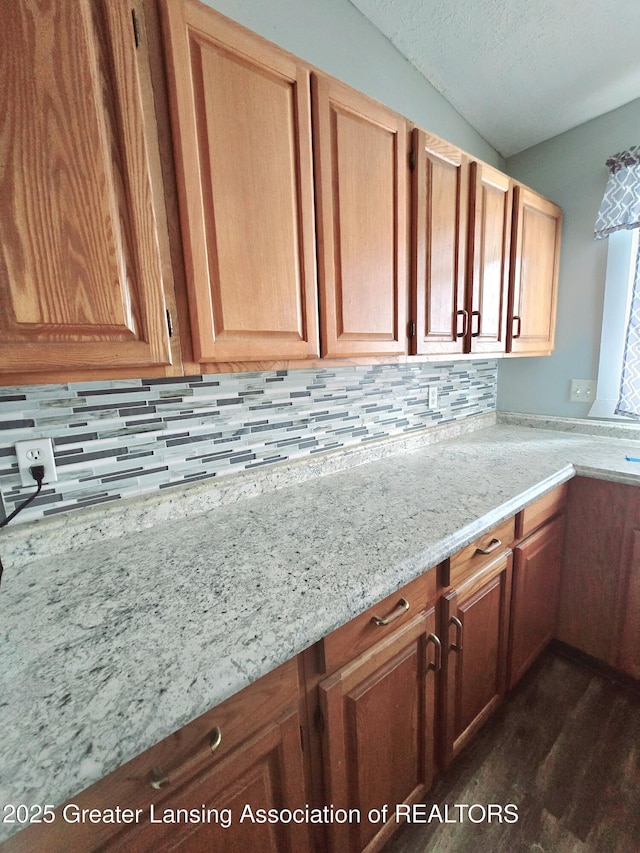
[{"x": 622, "y": 251}]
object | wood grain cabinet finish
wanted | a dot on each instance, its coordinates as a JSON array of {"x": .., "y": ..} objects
[
  {"x": 490, "y": 208},
  {"x": 599, "y": 611},
  {"x": 440, "y": 199},
  {"x": 241, "y": 120},
  {"x": 474, "y": 630},
  {"x": 81, "y": 269},
  {"x": 534, "y": 602},
  {"x": 360, "y": 150},
  {"x": 533, "y": 290},
  {"x": 378, "y": 737}
]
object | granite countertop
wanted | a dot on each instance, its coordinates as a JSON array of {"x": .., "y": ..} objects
[{"x": 108, "y": 649}]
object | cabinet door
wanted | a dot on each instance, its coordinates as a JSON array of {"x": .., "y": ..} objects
[
  {"x": 594, "y": 555},
  {"x": 361, "y": 196},
  {"x": 378, "y": 731},
  {"x": 628, "y": 658},
  {"x": 241, "y": 121},
  {"x": 489, "y": 242},
  {"x": 534, "y": 601},
  {"x": 81, "y": 284},
  {"x": 439, "y": 204},
  {"x": 475, "y": 623},
  {"x": 534, "y": 273}
]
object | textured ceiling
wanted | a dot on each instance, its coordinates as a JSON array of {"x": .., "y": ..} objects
[{"x": 520, "y": 71}]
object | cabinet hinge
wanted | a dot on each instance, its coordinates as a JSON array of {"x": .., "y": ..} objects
[
  {"x": 412, "y": 159},
  {"x": 169, "y": 323},
  {"x": 136, "y": 30},
  {"x": 318, "y": 720},
  {"x": 411, "y": 330}
]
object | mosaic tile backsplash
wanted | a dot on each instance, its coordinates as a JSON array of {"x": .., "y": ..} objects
[{"x": 113, "y": 440}]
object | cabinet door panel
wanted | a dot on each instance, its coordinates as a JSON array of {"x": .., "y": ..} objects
[
  {"x": 361, "y": 200},
  {"x": 242, "y": 132},
  {"x": 378, "y": 742},
  {"x": 475, "y": 623},
  {"x": 489, "y": 236},
  {"x": 534, "y": 273},
  {"x": 80, "y": 270},
  {"x": 534, "y": 603},
  {"x": 440, "y": 201},
  {"x": 593, "y": 555},
  {"x": 628, "y": 608}
]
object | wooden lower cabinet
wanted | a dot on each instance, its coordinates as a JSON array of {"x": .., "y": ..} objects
[
  {"x": 378, "y": 739},
  {"x": 474, "y": 629},
  {"x": 599, "y": 611},
  {"x": 263, "y": 775},
  {"x": 534, "y": 602}
]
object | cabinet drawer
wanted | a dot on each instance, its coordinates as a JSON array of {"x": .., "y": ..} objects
[
  {"x": 374, "y": 624},
  {"x": 534, "y": 515},
  {"x": 478, "y": 553}
]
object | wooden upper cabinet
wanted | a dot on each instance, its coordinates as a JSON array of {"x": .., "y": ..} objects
[
  {"x": 489, "y": 242},
  {"x": 241, "y": 120},
  {"x": 361, "y": 201},
  {"x": 81, "y": 272},
  {"x": 537, "y": 225},
  {"x": 439, "y": 239}
]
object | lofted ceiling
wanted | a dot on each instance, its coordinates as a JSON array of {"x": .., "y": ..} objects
[{"x": 519, "y": 71}]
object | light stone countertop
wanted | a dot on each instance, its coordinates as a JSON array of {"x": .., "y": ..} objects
[{"x": 108, "y": 649}]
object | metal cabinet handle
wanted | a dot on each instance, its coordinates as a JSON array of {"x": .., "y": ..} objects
[
  {"x": 401, "y": 607},
  {"x": 491, "y": 547},
  {"x": 435, "y": 665},
  {"x": 477, "y": 332},
  {"x": 457, "y": 646},
  {"x": 465, "y": 323},
  {"x": 215, "y": 738},
  {"x": 519, "y": 320},
  {"x": 158, "y": 778}
]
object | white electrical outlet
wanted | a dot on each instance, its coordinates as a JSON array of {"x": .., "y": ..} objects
[
  {"x": 433, "y": 396},
  {"x": 582, "y": 390},
  {"x": 38, "y": 451}
]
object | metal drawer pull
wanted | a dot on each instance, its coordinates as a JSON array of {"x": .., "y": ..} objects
[
  {"x": 158, "y": 778},
  {"x": 401, "y": 607},
  {"x": 491, "y": 547},
  {"x": 215, "y": 738},
  {"x": 457, "y": 646},
  {"x": 435, "y": 665}
]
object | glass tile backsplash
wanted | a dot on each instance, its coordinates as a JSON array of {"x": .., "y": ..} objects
[{"x": 118, "y": 439}]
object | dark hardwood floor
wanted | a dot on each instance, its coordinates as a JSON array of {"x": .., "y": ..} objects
[{"x": 565, "y": 749}]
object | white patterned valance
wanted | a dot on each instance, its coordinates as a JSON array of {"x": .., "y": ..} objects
[{"x": 620, "y": 207}]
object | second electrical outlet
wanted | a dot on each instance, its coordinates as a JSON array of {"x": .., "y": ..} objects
[{"x": 433, "y": 396}]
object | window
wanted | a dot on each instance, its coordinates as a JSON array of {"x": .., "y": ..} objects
[
  {"x": 618, "y": 392},
  {"x": 622, "y": 254}
]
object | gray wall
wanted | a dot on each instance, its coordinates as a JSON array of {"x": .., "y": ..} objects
[
  {"x": 570, "y": 169},
  {"x": 335, "y": 37}
]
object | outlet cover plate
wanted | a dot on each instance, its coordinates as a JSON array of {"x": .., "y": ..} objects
[
  {"x": 582, "y": 390},
  {"x": 37, "y": 451}
]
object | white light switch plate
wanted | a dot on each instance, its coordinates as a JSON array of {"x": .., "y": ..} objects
[{"x": 582, "y": 390}]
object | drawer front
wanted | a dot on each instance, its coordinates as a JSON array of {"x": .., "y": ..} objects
[
  {"x": 540, "y": 511},
  {"x": 375, "y": 624},
  {"x": 479, "y": 553}
]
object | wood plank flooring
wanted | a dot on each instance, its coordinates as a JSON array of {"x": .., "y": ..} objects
[{"x": 565, "y": 748}]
